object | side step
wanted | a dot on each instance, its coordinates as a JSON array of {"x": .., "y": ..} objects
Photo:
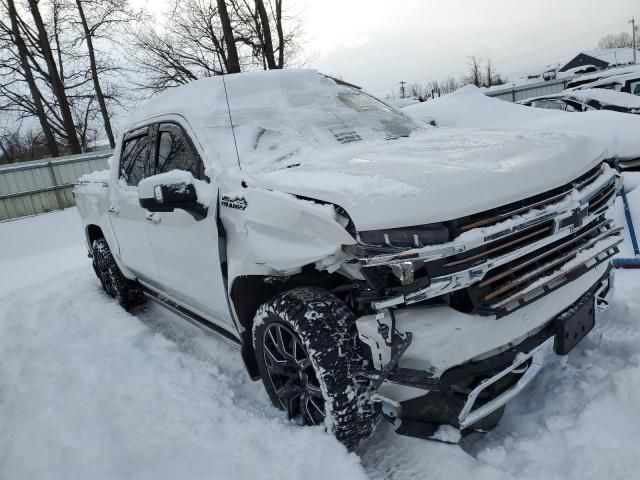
[{"x": 192, "y": 318}]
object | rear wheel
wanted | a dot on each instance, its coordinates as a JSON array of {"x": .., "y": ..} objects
[
  {"x": 309, "y": 358},
  {"x": 127, "y": 293}
]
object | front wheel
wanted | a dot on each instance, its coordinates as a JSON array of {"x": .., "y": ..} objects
[
  {"x": 309, "y": 359},
  {"x": 127, "y": 293}
]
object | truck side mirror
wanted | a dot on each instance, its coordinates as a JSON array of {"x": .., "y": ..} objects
[{"x": 164, "y": 193}]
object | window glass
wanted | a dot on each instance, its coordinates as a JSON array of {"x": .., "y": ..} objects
[
  {"x": 176, "y": 153},
  {"x": 135, "y": 163},
  {"x": 550, "y": 104},
  {"x": 634, "y": 87}
]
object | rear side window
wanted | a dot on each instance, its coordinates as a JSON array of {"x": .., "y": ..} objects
[
  {"x": 175, "y": 151},
  {"x": 135, "y": 161}
]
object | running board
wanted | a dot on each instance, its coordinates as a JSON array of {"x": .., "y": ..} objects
[{"x": 192, "y": 318}]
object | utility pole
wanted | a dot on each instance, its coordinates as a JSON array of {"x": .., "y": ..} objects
[
  {"x": 633, "y": 35},
  {"x": 402, "y": 89}
]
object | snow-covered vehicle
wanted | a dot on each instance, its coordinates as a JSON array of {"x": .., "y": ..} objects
[
  {"x": 469, "y": 107},
  {"x": 367, "y": 265},
  {"x": 586, "y": 100},
  {"x": 624, "y": 78}
]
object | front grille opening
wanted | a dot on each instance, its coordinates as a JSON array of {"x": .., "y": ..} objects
[
  {"x": 505, "y": 282},
  {"x": 602, "y": 198}
]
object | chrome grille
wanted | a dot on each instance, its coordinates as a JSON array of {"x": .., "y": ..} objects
[{"x": 518, "y": 282}]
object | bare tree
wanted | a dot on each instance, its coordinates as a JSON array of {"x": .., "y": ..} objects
[
  {"x": 233, "y": 63},
  {"x": 54, "y": 77},
  {"x": 449, "y": 85},
  {"x": 257, "y": 22},
  {"x": 104, "y": 13},
  {"x": 612, "y": 40},
  {"x": 188, "y": 46},
  {"x": 29, "y": 78},
  {"x": 474, "y": 76},
  {"x": 491, "y": 76},
  {"x": 203, "y": 38}
]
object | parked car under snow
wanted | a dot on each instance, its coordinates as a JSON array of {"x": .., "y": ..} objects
[
  {"x": 468, "y": 107},
  {"x": 586, "y": 100},
  {"x": 366, "y": 265}
]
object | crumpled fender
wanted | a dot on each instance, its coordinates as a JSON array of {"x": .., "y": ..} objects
[{"x": 279, "y": 230}]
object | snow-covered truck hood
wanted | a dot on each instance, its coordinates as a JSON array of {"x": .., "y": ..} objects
[{"x": 436, "y": 175}]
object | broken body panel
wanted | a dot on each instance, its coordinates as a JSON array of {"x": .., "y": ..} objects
[{"x": 404, "y": 224}]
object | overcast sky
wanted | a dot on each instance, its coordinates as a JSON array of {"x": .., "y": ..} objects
[{"x": 377, "y": 43}]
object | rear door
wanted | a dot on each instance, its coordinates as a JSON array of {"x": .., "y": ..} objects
[
  {"x": 189, "y": 260},
  {"x": 128, "y": 218}
]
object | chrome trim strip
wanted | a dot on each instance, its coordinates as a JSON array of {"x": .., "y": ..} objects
[
  {"x": 530, "y": 291},
  {"x": 466, "y": 278},
  {"x": 468, "y": 417},
  {"x": 556, "y": 262},
  {"x": 564, "y": 209}
]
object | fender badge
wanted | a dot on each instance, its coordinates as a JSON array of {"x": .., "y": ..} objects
[{"x": 237, "y": 203}]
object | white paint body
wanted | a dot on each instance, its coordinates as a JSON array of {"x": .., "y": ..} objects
[{"x": 433, "y": 175}]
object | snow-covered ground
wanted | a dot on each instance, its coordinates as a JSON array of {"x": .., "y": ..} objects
[{"x": 88, "y": 391}]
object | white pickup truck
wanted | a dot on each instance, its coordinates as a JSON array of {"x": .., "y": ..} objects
[{"x": 368, "y": 266}]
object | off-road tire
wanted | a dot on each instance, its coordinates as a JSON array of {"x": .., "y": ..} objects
[
  {"x": 127, "y": 293},
  {"x": 326, "y": 328}
]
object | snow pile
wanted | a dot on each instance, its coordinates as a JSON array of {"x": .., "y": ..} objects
[
  {"x": 89, "y": 391},
  {"x": 401, "y": 102},
  {"x": 469, "y": 107}
]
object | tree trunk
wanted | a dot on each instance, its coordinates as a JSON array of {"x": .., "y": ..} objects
[
  {"x": 56, "y": 36},
  {"x": 280, "y": 31},
  {"x": 233, "y": 64},
  {"x": 56, "y": 83},
  {"x": 28, "y": 74},
  {"x": 94, "y": 75},
  {"x": 267, "y": 43},
  {"x": 5, "y": 154}
]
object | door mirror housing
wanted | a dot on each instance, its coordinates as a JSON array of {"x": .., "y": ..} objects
[{"x": 167, "y": 191}]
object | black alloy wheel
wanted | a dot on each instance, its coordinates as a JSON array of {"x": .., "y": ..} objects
[{"x": 292, "y": 375}]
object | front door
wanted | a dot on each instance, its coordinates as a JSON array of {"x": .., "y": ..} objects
[
  {"x": 128, "y": 218},
  {"x": 189, "y": 261}
]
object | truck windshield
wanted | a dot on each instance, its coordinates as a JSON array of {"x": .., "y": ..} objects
[{"x": 284, "y": 125}]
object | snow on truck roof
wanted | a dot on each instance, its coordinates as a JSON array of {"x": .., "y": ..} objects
[{"x": 279, "y": 117}]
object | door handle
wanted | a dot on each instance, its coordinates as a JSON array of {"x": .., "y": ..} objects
[
  {"x": 153, "y": 217},
  {"x": 114, "y": 209}
]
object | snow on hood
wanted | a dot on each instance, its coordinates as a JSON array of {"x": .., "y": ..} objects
[
  {"x": 300, "y": 132},
  {"x": 437, "y": 175},
  {"x": 469, "y": 107}
]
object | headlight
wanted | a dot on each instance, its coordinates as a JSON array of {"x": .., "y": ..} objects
[{"x": 405, "y": 272}]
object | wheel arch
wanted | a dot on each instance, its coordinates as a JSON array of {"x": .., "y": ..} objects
[
  {"x": 249, "y": 292},
  {"x": 93, "y": 232}
]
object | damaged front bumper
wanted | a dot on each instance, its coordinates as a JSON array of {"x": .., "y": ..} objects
[{"x": 472, "y": 396}]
